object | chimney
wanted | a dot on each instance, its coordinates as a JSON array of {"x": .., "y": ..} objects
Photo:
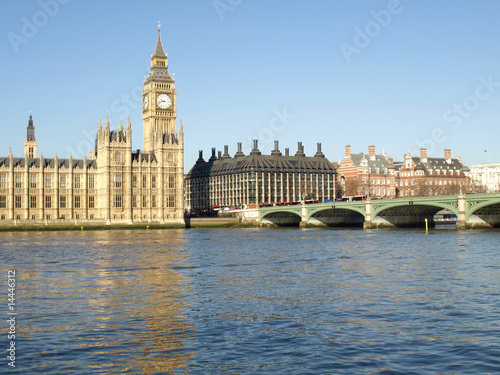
[
  {"x": 348, "y": 151},
  {"x": 219, "y": 154},
  {"x": 447, "y": 155},
  {"x": 255, "y": 150},
  {"x": 213, "y": 157},
  {"x": 239, "y": 152},
  {"x": 371, "y": 152},
  {"x": 226, "y": 152},
  {"x": 300, "y": 150},
  {"x": 423, "y": 154},
  {"x": 200, "y": 157},
  {"x": 390, "y": 160},
  {"x": 276, "y": 150},
  {"x": 319, "y": 154},
  {"x": 287, "y": 152}
]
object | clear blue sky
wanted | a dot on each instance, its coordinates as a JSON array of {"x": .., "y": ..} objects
[{"x": 396, "y": 74}]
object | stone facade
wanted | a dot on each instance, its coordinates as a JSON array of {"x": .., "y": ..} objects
[
  {"x": 487, "y": 176},
  {"x": 247, "y": 181},
  {"x": 114, "y": 184}
]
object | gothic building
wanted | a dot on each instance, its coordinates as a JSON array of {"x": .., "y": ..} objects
[
  {"x": 114, "y": 184},
  {"x": 249, "y": 180}
]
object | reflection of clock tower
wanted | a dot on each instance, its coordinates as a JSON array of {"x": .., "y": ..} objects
[{"x": 159, "y": 107}]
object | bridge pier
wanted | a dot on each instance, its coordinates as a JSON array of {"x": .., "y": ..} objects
[
  {"x": 368, "y": 224},
  {"x": 461, "y": 217},
  {"x": 303, "y": 220}
]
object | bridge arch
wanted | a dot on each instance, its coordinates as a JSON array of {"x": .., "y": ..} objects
[
  {"x": 349, "y": 216},
  {"x": 283, "y": 218},
  {"x": 409, "y": 213},
  {"x": 484, "y": 212}
]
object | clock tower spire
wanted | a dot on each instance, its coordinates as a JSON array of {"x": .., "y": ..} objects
[
  {"x": 30, "y": 141},
  {"x": 159, "y": 107}
]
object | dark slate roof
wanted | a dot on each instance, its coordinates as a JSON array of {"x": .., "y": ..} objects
[
  {"x": 159, "y": 75},
  {"x": 381, "y": 162},
  {"x": 261, "y": 163},
  {"x": 143, "y": 158},
  {"x": 30, "y": 134},
  {"x": 438, "y": 163},
  {"x": 159, "y": 52},
  {"x": 170, "y": 139},
  {"x": 47, "y": 163},
  {"x": 116, "y": 135}
]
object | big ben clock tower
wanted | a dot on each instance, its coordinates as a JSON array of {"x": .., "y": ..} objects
[
  {"x": 159, "y": 103},
  {"x": 163, "y": 143}
]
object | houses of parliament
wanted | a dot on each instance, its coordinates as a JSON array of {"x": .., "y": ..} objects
[{"x": 114, "y": 184}]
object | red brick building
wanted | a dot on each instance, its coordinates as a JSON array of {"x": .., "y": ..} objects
[
  {"x": 378, "y": 176},
  {"x": 367, "y": 174},
  {"x": 420, "y": 176}
]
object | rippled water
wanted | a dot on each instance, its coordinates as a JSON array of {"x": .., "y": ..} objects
[{"x": 254, "y": 301}]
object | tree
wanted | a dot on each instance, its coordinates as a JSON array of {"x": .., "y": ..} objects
[
  {"x": 352, "y": 186},
  {"x": 477, "y": 187}
]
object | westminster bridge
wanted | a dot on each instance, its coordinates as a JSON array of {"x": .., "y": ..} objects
[{"x": 472, "y": 210}]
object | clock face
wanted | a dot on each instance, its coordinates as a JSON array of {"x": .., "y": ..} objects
[
  {"x": 145, "y": 103},
  {"x": 163, "y": 101}
]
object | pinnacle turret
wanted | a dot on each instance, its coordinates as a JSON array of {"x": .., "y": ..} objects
[{"x": 30, "y": 136}]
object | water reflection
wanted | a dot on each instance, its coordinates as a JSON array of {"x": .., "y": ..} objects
[
  {"x": 257, "y": 301},
  {"x": 109, "y": 301}
]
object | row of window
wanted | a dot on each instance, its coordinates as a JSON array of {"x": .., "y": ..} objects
[
  {"x": 437, "y": 172},
  {"x": 170, "y": 201},
  {"x": 426, "y": 182},
  {"x": 33, "y": 181},
  {"x": 77, "y": 201},
  {"x": 374, "y": 181},
  {"x": 77, "y": 182},
  {"x": 170, "y": 182},
  {"x": 33, "y": 202}
]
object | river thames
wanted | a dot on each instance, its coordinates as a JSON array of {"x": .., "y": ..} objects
[{"x": 254, "y": 301}]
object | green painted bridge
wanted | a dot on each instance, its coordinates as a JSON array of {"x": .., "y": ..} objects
[{"x": 472, "y": 210}]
